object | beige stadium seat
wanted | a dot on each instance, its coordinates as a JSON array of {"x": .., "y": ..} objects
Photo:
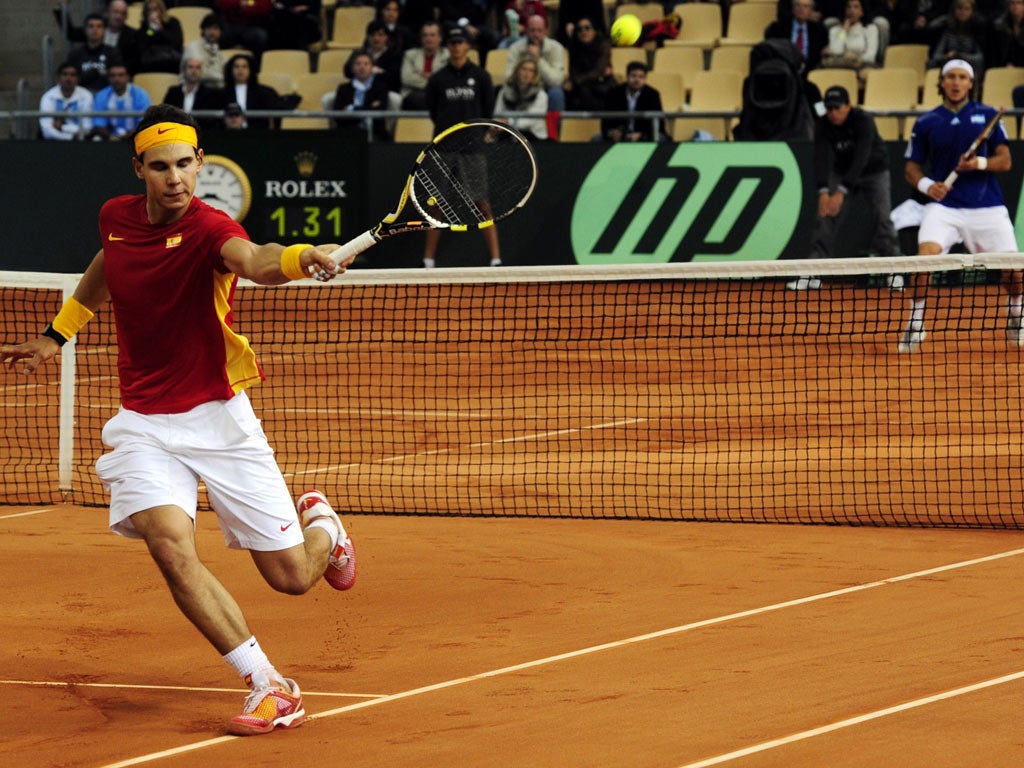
[
  {"x": 826, "y": 77},
  {"x": 305, "y": 124},
  {"x": 416, "y": 130},
  {"x": 678, "y": 58},
  {"x": 621, "y": 57},
  {"x": 702, "y": 25},
  {"x": 156, "y": 84},
  {"x": 314, "y": 86},
  {"x": 581, "y": 130},
  {"x": 643, "y": 11},
  {"x": 711, "y": 92},
  {"x": 910, "y": 55},
  {"x": 134, "y": 17},
  {"x": 890, "y": 88},
  {"x": 190, "y": 17},
  {"x": 333, "y": 60},
  {"x": 293, "y": 63},
  {"x": 349, "y": 30},
  {"x": 890, "y": 128},
  {"x": 735, "y": 58},
  {"x": 930, "y": 97},
  {"x": 997, "y": 87},
  {"x": 671, "y": 86},
  {"x": 747, "y": 23},
  {"x": 497, "y": 61},
  {"x": 281, "y": 82}
]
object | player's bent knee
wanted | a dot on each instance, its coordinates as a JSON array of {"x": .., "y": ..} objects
[{"x": 287, "y": 571}]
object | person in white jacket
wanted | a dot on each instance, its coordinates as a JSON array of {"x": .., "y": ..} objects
[
  {"x": 524, "y": 97},
  {"x": 66, "y": 96},
  {"x": 852, "y": 43}
]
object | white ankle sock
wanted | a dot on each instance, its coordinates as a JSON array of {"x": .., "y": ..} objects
[
  {"x": 917, "y": 313},
  {"x": 249, "y": 660},
  {"x": 332, "y": 527},
  {"x": 1015, "y": 305}
]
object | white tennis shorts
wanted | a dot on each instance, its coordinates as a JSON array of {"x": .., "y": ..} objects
[
  {"x": 981, "y": 230},
  {"x": 160, "y": 459}
]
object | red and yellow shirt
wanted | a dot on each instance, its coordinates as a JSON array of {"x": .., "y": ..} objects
[{"x": 172, "y": 299}]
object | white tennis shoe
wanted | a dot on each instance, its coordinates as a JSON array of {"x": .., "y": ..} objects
[{"x": 911, "y": 339}]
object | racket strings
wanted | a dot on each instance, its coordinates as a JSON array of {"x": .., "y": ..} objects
[{"x": 453, "y": 186}]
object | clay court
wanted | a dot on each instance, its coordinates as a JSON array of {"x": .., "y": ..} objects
[{"x": 549, "y": 587}]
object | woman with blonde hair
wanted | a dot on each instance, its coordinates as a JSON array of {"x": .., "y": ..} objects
[{"x": 524, "y": 93}]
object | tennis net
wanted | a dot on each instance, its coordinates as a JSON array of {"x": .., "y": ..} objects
[{"x": 703, "y": 391}]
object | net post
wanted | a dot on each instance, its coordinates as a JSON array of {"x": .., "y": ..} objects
[{"x": 66, "y": 440}]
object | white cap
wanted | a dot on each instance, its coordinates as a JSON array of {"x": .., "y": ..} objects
[{"x": 958, "y": 64}]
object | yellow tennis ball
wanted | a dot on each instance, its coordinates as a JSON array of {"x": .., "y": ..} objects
[{"x": 626, "y": 30}]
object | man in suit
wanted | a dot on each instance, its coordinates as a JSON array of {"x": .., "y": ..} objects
[
  {"x": 365, "y": 91},
  {"x": 634, "y": 95},
  {"x": 192, "y": 93},
  {"x": 809, "y": 36}
]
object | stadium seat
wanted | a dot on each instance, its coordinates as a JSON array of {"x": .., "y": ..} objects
[
  {"x": 997, "y": 87},
  {"x": 581, "y": 130},
  {"x": 190, "y": 17},
  {"x": 826, "y": 77},
  {"x": 702, "y": 25},
  {"x": 293, "y": 63},
  {"x": 305, "y": 124},
  {"x": 333, "y": 60},
  {"x": 672, "y": 88},
  {"x": 678, "y": 58},
  {"x": 497, "y": 60},
  {"x": 735, "y": 58},
  {"x": 417, "y": 130},
  {"x": 312, "y": 87},
  {"x": 930, "y": 96},
  {"x": 891, "y": 88},
  {"x": 281, "y": 82},
  {"x": 155, "y": 84},
  {"x": 643, "y": 11},
  {"x": 621, "y": 57},
  {"x": 349, "y": 30},
  {"x": 911, "y": 55},
  {"x": 747, "y": 23},
  {"x": 711, "y": 92}
]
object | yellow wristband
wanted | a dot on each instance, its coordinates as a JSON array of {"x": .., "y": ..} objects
[
  {"x": 72, "y": 316},
  {"x": 291, "y": 261}
]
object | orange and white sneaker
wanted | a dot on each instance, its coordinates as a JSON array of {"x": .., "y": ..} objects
[
  {"x": 268, "y": 706},
  {"x": 341, "y": 568}
]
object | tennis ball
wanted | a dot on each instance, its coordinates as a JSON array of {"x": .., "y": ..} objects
[{"x": 626, "y": 30}]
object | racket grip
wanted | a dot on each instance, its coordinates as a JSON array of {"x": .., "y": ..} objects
[
  {"x": 951, "y": 178},
  {"x": 354, "y": 247}
]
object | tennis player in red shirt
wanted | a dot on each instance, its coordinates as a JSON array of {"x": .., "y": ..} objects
[{"x": 169, "y": 265}]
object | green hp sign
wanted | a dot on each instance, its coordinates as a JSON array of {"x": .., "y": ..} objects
[{"x": 644, "y": 203}]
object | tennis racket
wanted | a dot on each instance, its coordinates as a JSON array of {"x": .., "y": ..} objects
[
  {"x": 470, "y": 176},
  {"x": 983, "y": 136}
]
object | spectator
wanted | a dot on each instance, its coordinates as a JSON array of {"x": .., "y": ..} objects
[
  {"x": 961, "y": 38},
  {"x": 365, "y": 91},
  {"x": 852, "y": 44},
  {"x": 809, "y": 36},
  {"x": 550, "y": 57},
  {"x": 192, "y": 94},
  {"x": 160, "y": 39},
  {"x": 471, "y": 16},
  {"x": 634, "y": 95},
  {"x": 517, "y": 13},
  {"x": 246, "y": 24},
  {"x": 242, "y": 87},
  {"x": 120, "y": 96},
  {"x": 387, "y": 62},
  {"x": 459, "y": 91},
  {"x": 295, "y": 24},
  {"x": 207, "y": 50},
  {"x": 571, "y": 12},
  {"x": 233, "y": 118},
  {"x": 66, "y": 96},
  {"x": 401, "y": 37},
  {"x": 523, "y": 92},
  {"x": 94, "y": 57},
  {"x": 118, "y": 34},
  {"x": 590, "y": 67},
  {"x": 419, "y": 63},
  {"x": 850, "y": 159},
  {"x": 1007, "y": 40},
  {"x": 915, "y": 21}
]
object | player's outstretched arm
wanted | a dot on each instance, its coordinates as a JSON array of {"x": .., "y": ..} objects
[
  {"x": 90, "y": 294},
  {"x": 274, "y": 264}
]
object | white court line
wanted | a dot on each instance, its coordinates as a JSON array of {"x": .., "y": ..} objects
[
  {"x": 484, "y": 444},
  {"x": 764, "y": 746},
  {"x": 26, "y": 514},
  {"x": 186, "y": 688},
  {"x": 604, "y": 647}
]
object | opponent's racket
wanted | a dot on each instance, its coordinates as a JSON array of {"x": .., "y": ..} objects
[
  {"x": 983, "y": 136},
  {"x": 470, "y": 176}
]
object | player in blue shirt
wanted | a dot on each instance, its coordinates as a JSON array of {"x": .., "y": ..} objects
[{"x": 969, "y": 210}]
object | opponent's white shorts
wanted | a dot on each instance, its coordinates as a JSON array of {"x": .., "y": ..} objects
[
  {"x": 159, "y": 460},
  {"x": 981, "y": 230}
]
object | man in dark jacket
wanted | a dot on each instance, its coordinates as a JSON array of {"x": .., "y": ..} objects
[
  {"x": 634, "y": 95},
  {"x": 459, "y": 91},
  {"x": 809, "y": 36},
  {"x": 849, "y": 158}
]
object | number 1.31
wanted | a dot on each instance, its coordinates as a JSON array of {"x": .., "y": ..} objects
[{"x": 310, "y": 221}]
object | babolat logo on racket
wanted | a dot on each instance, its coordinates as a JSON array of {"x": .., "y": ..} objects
[{"x": 644, "y": 203}]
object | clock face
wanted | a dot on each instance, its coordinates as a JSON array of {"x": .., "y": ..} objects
[{"x": 223, "y": 184}]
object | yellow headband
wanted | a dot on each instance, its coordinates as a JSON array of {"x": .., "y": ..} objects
[{"x": 165, "y": 133}]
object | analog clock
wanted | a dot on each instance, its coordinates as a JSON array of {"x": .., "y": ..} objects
[{"x": 223, "y": 184}]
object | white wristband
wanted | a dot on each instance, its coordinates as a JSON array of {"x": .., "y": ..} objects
[
  {"x": 924, "y": 184},
  {"x": 982, "y": 163}
]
